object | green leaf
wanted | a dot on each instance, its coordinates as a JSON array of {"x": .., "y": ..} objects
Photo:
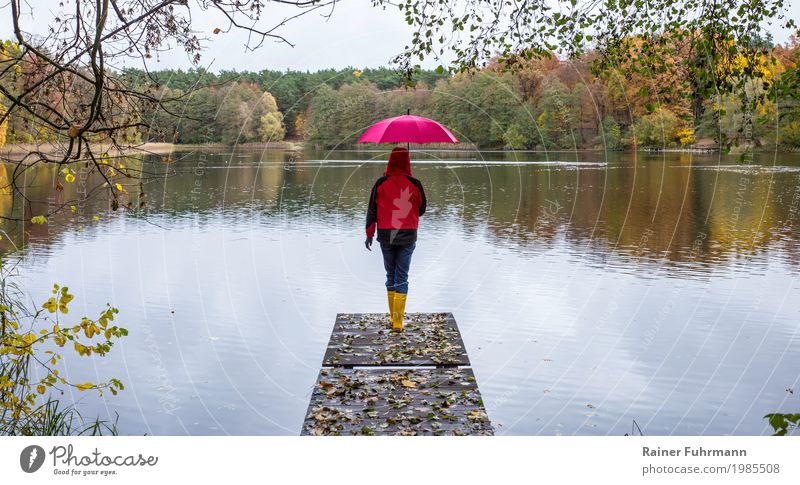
[{"x": 777, "y": 421}]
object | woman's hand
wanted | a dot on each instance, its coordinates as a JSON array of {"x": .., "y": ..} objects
[{"x": 368, "y": 243}]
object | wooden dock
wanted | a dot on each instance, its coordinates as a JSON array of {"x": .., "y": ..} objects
[{"x": 377, "y": 382}]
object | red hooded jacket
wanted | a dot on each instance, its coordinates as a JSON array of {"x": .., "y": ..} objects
[{"x": 396, "y": 202}]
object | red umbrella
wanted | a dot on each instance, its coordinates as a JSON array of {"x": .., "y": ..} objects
[{"x": 407, "y": 129}]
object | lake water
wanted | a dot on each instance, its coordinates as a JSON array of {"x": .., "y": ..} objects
[{"x": 591, "y": 289}]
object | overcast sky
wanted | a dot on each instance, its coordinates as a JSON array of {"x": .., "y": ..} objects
[{"x": 357, "y": 35}]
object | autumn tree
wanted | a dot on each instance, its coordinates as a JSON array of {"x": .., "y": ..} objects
[
  {"x": 338, "y": 116},
  {"x": 657, "y": 130},
  {"x": 3, "y": 125},
  {"x": 271, "y": 126},
  {"x": 481, "y": 107}
]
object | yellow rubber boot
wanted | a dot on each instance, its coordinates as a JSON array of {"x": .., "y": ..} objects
[
  {"x": 398, "y": 311},
  {"x": 391, "y": 294}
]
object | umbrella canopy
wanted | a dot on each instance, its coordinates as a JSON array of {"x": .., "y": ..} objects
[{"x": 407, "y": 129}]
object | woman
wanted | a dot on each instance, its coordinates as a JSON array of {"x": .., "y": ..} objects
[{"x": 395, "y": 205}]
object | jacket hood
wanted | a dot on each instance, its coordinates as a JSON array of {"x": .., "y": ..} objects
[{"x": 399, "y": 162}]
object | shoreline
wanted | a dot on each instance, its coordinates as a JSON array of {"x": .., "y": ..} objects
[
  {"x": 150, "y": 148},
  {"x": 157, "y": 148}
]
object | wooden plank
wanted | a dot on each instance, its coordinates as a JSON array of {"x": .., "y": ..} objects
[
  {"x": 381, "y": 401},
  {"x": 366, "y": 339}
]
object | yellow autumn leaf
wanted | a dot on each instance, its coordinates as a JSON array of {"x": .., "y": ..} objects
[
  {"x": 41, "y": 389},
  {"x": 407, "y": 383},
  {"x": 85, "y": 386},
  {"x": 70, "y": 178},
  {"x": 38, "y": 220},
  {"x": 475, "y": 415},
  {"x": 81, "y": 349},
  {"x": 50, "y": 305}
]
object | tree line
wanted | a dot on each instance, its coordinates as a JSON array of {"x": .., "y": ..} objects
[
  {"x": 542, "y": 103},
  {"x": 230, "y": 106}
]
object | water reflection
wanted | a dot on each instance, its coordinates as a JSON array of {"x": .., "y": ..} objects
[
  {"x": 592, "y": 289},
  {"x": 689, "y": 209}
]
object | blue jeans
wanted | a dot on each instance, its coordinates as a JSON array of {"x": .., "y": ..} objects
[{"x": 396, "y": 260}]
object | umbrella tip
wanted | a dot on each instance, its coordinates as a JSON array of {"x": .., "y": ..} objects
[{"x": 408, "y": 111}]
